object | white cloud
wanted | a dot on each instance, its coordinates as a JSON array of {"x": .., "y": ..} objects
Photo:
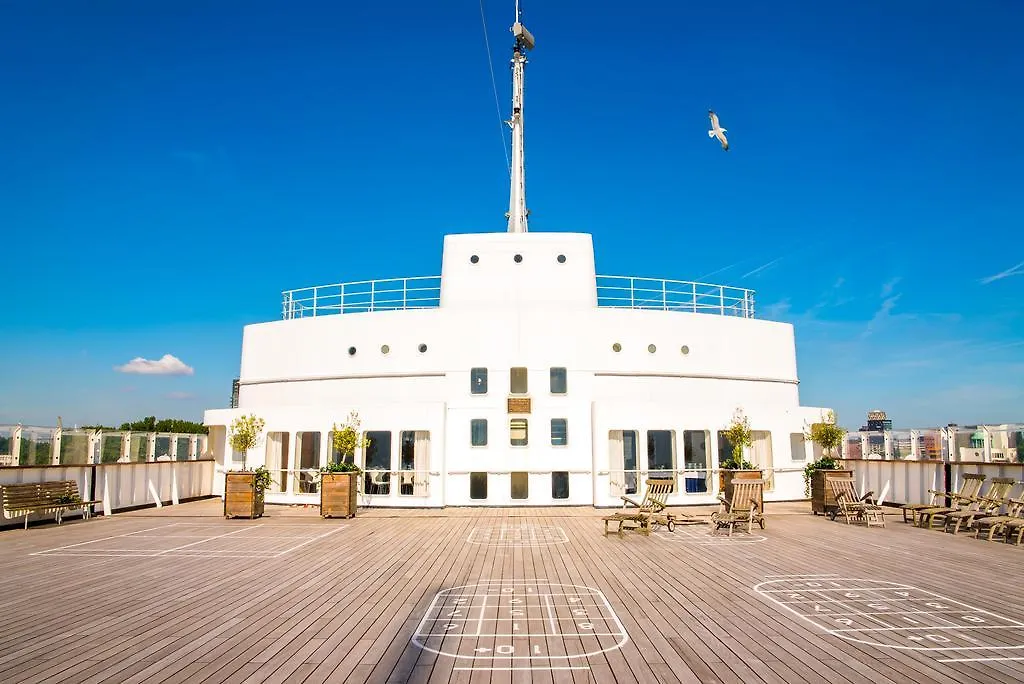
[{"x": 166, "y": 365}]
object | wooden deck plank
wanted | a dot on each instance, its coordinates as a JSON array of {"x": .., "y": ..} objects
[{"x": 345, "y": 607}]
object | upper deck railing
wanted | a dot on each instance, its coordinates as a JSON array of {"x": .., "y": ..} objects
[{"x": 624, "y": 292}]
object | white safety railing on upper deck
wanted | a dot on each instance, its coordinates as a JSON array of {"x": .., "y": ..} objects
[
  {"x": 424, "y": 292},
  {"x": 629, "y": 292},
  {"x": 395, "y": 294}
]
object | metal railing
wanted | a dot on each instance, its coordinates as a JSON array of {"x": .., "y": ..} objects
[
  {"x": 395, "y": 294},
  {"x": 424, "y": 292},
  {"x": 630, "y": 292}
]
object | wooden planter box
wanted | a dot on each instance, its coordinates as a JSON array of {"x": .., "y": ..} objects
[
  {"x": 823, "y": 501},
  {"x": 726, "y": 477},
  {"x": 240, "y": 497},
  {"x": 338, "y": 495}
]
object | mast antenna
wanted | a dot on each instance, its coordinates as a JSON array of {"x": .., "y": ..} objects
[{"x": 517, "y": 211}]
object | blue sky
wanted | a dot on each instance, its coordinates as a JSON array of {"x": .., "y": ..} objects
[{"x": 167, "y": 168}]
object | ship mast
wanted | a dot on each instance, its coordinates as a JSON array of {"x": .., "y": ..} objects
[{"x": 517, "y": 211}]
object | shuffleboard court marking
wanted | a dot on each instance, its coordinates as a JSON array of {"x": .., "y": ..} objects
[
  {"x": 526, "y": 535},
  {"x": 702, "y": 536},
  {"x": 252, "y": 543},
  {"x": 898, "y": 616},
  {"x": 499, "y": 625}
]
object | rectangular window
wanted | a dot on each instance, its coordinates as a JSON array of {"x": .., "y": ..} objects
[
  {"x": 695, "y": 460},
  {"x": 413, "y": 457},
  {"x": 520, "y": 485},
  {"x": 558, "y": 381},
  {"x": 377, "y": 476},
  {"x": 518, "y": 432},
  {"x": 277, "y": 459},
  {"x": 622, "y": 461},
  {"x": 308, "y": 446},
  {"x": 478, "y": 381},
  {"x": 559, "y": 432},
  {"x": 797, "y": 446},
  {"x": 661, "y": 453},
  {"x": 761, "y": 456},
  {"x": 478, "y": 485},
  {"x": 560, "y": 485},
  {"x": 517, "y": 381},
  {"x": 478, "y": 432}
]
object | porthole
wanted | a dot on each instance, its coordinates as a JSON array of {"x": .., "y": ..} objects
[
  {"x": 561, "y": 258},
  {"x": 422, "y": 348},
  {"x": 651, "y": 348},
  {"x": 684, "y": 349},
  {"x": 351, "y": 351},
  {"x": 518, "y": 258},
  {"x": 474, "y": 259},
  {"x": 616, "y": 347},
  {"x": 384, "y": 349}
]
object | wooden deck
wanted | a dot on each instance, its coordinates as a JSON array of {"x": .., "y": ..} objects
[{"x": 182, "y": 595}]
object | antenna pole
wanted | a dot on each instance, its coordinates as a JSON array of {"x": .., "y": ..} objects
[{"x": 517, "y": 211}]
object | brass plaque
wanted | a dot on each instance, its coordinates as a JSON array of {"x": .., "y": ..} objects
[{"x": 518, "y": 404}]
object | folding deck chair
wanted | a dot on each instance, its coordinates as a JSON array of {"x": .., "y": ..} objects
[
  {"x": 743, "y": 509},
  {"x": 963, "y": 507},
  {"x": 967, "y": 496},
  {"x": 855, "y": 508},
  {"x": 988, "y": 504},
  {"x": 970, "y": 487},
  {"x": 997, "y": 523},
  {"x": 649, "y": 513}
]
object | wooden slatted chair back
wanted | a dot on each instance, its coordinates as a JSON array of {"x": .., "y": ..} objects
[
  {"x": 746, "y": 495},
  {"x": 998, "y": 494},
  {"x": 656, "y": 497},
  {"x": 971, "y": 487},
  {"x": 843, "y": 489}
]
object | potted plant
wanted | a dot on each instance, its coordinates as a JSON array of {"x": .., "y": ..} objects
[
  {"x": 338, "y": 478},
  {"x": 829, "y": 436},
  {"x": 244, "y": 490},
  {"x": 734, "y": 466}
]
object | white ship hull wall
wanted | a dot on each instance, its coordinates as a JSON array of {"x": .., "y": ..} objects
[{"x": 538, "y": 313}]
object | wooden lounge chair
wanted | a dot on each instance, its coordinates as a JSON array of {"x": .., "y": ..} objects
[
  {"x": 970, "y": 487},
  {"x": 968, "y": 496},
  {"x": 744, "y": 508},
  {"x": 988, "y": 504},
  {"x": 648, "y": 513},
  {"x": 855, "y": 508},
  {"x": 1014, "y": 529},
  {"x": 996, "y": 524}
]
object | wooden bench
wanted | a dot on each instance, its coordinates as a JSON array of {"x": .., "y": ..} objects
[{"x": 45, "y": 497}]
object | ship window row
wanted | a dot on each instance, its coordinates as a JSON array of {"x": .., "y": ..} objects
[
  {"x": 518, "y": 384},
  {"x": 294, "y": 461},
  {"x": 519, "y": 488},
  {"x": 635, "y": 455},
  {"x": 518, "y": 432}
]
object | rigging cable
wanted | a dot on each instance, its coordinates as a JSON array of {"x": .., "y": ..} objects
[{"x": 494, "y": 87}]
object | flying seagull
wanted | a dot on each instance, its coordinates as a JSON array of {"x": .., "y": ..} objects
[{"x": 717, "y": 131}]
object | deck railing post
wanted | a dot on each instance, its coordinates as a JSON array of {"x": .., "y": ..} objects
[
  {"x": 314, "y": 300},
  {"x": 721, "y": 300},
  {"x": 664, "y": 296},
  {"x": 373, "y": 293},
  {"x": 693, "y": 296}
]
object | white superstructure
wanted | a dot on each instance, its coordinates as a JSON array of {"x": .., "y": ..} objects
[{"x": 518, "y": 377}]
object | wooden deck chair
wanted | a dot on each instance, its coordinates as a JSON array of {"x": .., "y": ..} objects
[
  {"x": 744, "y": 508},
  {"x": 967, "y": 495},
  {"x": 997, "y": 496},
  {"x": 970, "y": 486},
  {"x": 1014, "y": 528},
  {"x": 646, "y": 514},
  {"x": 995, "y": 524},
  {"x": 855, "y": 508}
]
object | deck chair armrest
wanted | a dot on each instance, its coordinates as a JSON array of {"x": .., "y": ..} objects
[
  {"x": 940, "y": 493},
  {"x": 627, "y": 500},
  {"x": 868, "y": 496}
]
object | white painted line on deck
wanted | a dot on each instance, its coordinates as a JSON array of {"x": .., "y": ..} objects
[
  {"x": 209, "y": 539},
  {"x": 308, "y": 541},
  {"x": 93, "y": 541}
]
